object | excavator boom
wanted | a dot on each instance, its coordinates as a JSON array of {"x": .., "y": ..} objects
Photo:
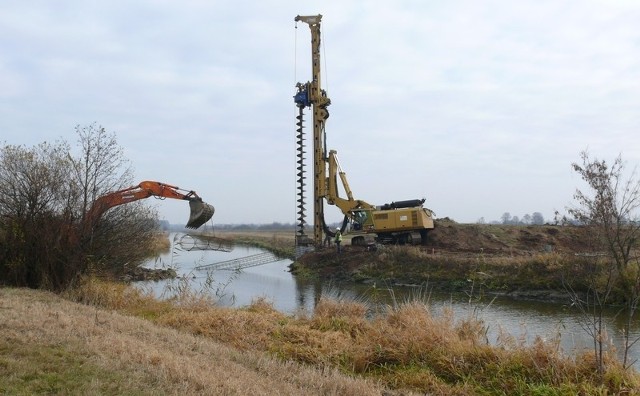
[{"x": 200, "y": 213}]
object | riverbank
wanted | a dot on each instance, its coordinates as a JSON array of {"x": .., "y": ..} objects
[
  {"x": 50, "y": 345},
  {"x": 279, "y": 242},
  {"x": 537, "y": 276},
  {"x": 531, "y": 262},
  {"x": 115, "y": 340}
]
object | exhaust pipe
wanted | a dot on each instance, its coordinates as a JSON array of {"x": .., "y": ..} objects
[
  {"x": 403, "y": 204},
  {"x": 201, "y": 212}
]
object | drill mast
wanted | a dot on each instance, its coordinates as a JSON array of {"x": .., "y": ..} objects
[{"x": 310, "y": 94}]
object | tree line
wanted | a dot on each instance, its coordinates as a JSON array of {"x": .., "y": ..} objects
[{"x": 528, "y": 219}]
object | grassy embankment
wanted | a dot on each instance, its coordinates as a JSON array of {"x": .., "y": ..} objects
[
  {"x": 542, "y": 274},
  {"x": 521, "y": 272},
  {"x": 52, "y": 346},
  {"x": 47, "y": 348},
  {"x": 407, "y": 348},
  {"x": 280, "y": 243},
  {"x": 102, "y": 346}
]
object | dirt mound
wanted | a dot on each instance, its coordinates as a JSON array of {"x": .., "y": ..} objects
[{"x": 506, "y": 239}]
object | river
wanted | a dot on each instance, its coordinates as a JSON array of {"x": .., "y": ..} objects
[{"x": 524, "y": 320}]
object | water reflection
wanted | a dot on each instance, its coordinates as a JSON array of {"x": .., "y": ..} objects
[
  {"x": 230, "y": 288},
  {"x": 524, "y": 320}
]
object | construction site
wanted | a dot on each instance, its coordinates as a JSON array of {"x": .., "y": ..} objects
[
  {"x": 321, "y": 183},
  {"x": 404, "y": 221}
]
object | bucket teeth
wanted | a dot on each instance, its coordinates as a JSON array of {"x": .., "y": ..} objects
[{"x": 200, "y": 213}]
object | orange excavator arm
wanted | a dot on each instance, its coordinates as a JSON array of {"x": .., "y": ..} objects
[{"x": 201, "y": 212}]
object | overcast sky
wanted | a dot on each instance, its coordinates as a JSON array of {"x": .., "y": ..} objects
[{"x": 478, "y": 106}]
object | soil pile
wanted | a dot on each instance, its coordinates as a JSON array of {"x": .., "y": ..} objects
[{"x": 500, "y": 239}]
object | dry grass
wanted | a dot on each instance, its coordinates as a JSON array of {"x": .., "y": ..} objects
[
  {"x": 408, "y": 348},
  {"x": 161, "y": 243},
  {"x": 53, "y": 346},
  {"x": 403, "y": 264}
]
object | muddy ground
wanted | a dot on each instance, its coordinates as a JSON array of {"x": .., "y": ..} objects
[
  {"x": 526, "y": 261},
  {"x": 495, "y": 240}
]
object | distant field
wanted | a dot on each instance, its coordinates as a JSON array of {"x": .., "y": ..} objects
[{"x": 280, "y": 234}]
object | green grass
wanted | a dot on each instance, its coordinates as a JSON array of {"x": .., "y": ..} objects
[{"x": 28, "y": 369}]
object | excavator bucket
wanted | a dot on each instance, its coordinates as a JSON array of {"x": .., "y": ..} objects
[{"x": 200, "y": 213}]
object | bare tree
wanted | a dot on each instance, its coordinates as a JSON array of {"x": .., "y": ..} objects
[
  {"x": 100, "y": 166},
  {"x": 34, "y": 201},
  {"x": 537, "y": 218},
  {"x": 121, "y": 236},
  {"x": 45, "y": 193},
  {"x": 609, "y": 208}
]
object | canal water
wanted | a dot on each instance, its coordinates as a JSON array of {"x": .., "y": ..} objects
[{"x": 524, "y": 320}]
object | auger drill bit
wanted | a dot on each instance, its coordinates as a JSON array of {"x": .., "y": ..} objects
[{"x": 301, "y": 171}]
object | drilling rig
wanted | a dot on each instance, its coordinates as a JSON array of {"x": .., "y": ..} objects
[{"x": 398, "y": 222}]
